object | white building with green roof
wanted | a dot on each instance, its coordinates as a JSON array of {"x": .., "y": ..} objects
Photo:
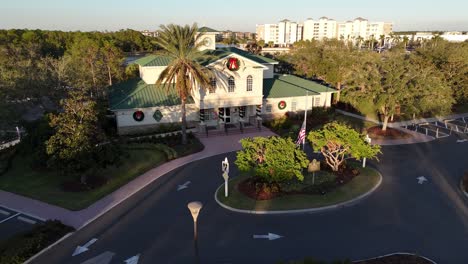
[{"x": 245, "y": 90}]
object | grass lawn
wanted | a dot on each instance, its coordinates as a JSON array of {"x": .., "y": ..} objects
[
  {"x": 359, "y": 185},
  {"x": 46, "y": 185}
]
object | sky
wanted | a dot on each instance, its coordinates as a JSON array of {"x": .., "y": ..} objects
[{"x": 240, "y": 15}]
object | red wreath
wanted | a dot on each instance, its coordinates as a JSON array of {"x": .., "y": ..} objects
[
  {"x": 282, "y": 105},
  {"x": 233, "y": 64},
  {"x": 138, "y": 116}
]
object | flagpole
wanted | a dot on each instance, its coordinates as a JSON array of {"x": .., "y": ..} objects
[{"x": 305, "y": 118}]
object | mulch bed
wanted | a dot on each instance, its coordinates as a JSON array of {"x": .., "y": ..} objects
[
  {"x": 257, "y": 189},
  {"x": 396, "y": 259},
  {"x": 389, "y": 133}
]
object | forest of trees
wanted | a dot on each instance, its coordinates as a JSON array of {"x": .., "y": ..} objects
[{"x": 34, "y": 63}]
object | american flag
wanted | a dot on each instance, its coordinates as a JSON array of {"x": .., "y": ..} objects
[{"x": 302, "y": 134}]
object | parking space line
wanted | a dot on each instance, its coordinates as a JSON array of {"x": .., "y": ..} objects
[
  {"x": 24, "y": 213},
  {"x": 4, "y": 220},
  {"x": 27, "y": 220},
  {"x": 4, "y": 212}
]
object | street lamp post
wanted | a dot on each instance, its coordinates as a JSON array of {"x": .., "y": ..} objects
[
  {"x": 225, "y": 169},
  {"x": 195, "y": 208},
  {"x": 368, "y": 140}
]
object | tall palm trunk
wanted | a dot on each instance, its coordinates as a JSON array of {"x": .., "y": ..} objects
[
  {"x": 184, "y": 121},
  {"x": 338, "y": 87}
]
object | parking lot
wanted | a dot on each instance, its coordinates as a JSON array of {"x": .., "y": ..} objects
[
  {"x": 13, "y": 222},
  {"x": 441, "y": 129}
]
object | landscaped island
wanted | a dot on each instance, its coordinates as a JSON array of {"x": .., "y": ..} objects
[
  {"x": 273, "y": 175},
  {"x": 328, "y": 190}
]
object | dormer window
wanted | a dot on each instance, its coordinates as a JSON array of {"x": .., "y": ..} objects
[
  {"x": 249, "y": 83},
  {"x": 231, "y": 85},
  {"x": 212, "y": 88}
]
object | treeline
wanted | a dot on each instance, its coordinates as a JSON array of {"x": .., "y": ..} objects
[
  {"x": 427, "y": 81},
  {"x": 34, "y": 63}
]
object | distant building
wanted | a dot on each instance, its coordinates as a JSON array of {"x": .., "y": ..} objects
[
  {"x": 319, "y": 29},
  {"x": 149, "y": 33},
  {"x": 287, "y": 32},
  {"x": 362, "y": 28}
]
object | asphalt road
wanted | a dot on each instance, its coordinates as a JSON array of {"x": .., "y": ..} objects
[{"x": 429, "y": 219}]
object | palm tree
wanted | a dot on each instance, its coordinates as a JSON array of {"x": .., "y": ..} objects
[{"x": 179, "y": 43}]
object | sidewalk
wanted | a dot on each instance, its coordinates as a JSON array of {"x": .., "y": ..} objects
[
  {"x": 79, "y": 219},
  {"x": 415, "y": 138}
]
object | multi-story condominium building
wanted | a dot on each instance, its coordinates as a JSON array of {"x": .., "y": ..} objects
[
  {"x": 287, "y": 32},
  {"x": 268, "y": 33},
  {"x": 242, "y": 91},
  {"x": 284, "y": 33},
  {"x": 362, "y": 28},
  {"x": 319, "y": 29}
]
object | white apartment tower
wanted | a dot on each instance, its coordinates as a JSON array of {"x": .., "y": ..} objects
[
  {"x": 287, "y": 32},
  {"x": 268, "y": 33},
  {"x": 360, "y": 27},
  {"x": 319, "y": 29}
]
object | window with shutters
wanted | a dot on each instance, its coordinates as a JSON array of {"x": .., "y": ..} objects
[
  {"x": 293, "y": 105},
  {"x": 317, "y": 101}
]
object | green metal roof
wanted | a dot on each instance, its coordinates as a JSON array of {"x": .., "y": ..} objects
[
  {"x": 290, "y": 86},
  {"x": 135, "y": 93},
  {"x": 211, "y": 56},
  {"x": 153, "y": 60},
  {"x": 207, "y": 29}
]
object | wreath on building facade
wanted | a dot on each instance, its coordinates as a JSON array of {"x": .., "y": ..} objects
[
  {"x": 233, "y": 64},
  {"x": 281, "y": 105},
  {"x": 138, "y": 116}
]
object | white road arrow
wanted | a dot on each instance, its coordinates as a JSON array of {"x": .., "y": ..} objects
[
  {"x": 270, "y": 236},
  {"x": 421, "y": 179},
  {"x": 183, "y": 186},
  {"x": 133, "y": 260},
  {"x": 104, "y": 258},
  {"x": 81, "y": 249},
  {"x": 461, "y": 140}
]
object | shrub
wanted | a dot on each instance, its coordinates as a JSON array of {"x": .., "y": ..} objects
[
  {"x": 6, "y": 156},
  {"x": 273, "y": 159},
  {"x": 21, "y": 247}
]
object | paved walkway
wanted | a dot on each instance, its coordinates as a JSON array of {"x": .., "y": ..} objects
[{"x": 78, "y": 219}]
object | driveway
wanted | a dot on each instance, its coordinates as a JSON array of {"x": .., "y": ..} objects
[{"x": 402, "y": 215}]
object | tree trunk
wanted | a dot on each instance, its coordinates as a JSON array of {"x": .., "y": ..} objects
[
  {"x": 385, "y": 122},
  {"x": 184, "y": 122},
  {"x": 338, "y": 87},
  {"x": 109, "y": 74},
  {"x": 391, "y": 118}
]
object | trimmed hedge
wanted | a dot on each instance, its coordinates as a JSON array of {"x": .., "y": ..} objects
[{"x": 21, "y": 247}]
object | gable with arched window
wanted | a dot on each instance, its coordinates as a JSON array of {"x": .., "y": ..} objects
[
  {"x": 231, "y": 84},
  {"x": 249, "y": 83}
]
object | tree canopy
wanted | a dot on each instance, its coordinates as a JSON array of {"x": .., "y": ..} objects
[
  {"x": 338, "y": 142},
  {"x": 273, "y": 159}
]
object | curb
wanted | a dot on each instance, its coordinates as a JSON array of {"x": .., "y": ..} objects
[
  {"x": 299, "y": 211},
  {"x": 397, "y": 253},
  {"x": 48, "y": 247}
]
